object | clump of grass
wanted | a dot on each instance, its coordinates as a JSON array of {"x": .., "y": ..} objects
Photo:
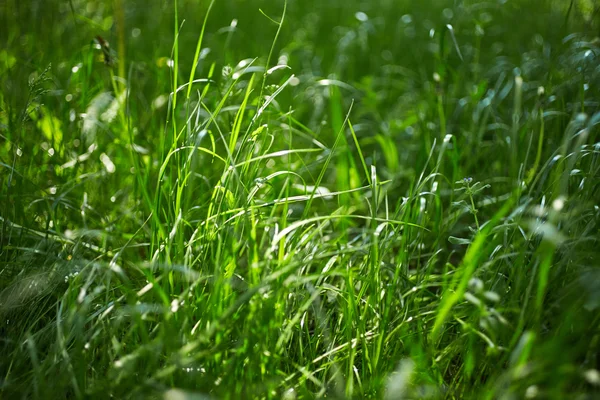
[{"x": 363, "y": 201}]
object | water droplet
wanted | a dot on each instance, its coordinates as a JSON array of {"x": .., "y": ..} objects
[{"x": 361, "y": 16}]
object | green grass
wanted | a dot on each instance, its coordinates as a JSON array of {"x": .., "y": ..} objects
[{"x": 312, "y": 199}]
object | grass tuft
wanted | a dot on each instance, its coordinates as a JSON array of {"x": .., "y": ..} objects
[{"x": 345, "y": 199}]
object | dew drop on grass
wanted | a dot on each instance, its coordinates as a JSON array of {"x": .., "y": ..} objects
[
  {"x": 472, "y": 299},
  {"x": 448, "y": 13},
  {"x": 492, "y": 296},
  {"x": 159, "y": 102},
  {"x": 558, "y": 203},
  {"x": 476, "y": 285},
  {"x": 205, "y": 52},
  {"x": 108, "y": 164},
  {"x": 398, "y": 382},
  {"x": 289, "y": 394},
  {"x": 592, "y": 376},
  {"x": 479, "y": 30},
  {"x": 81, "y": 296},
  {"x": 532, "y": 392},
  {"x": 361, "y": 16},
  {"x": 72, "y": 114}
]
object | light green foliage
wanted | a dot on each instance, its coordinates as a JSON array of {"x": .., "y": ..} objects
[{"x": 306, "y": 199}]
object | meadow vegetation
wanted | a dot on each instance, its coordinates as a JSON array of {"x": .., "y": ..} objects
[{"x": 305, "y": 199}]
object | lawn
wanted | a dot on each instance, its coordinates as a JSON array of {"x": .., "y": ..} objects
[{"x": 269, "y": 199}]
